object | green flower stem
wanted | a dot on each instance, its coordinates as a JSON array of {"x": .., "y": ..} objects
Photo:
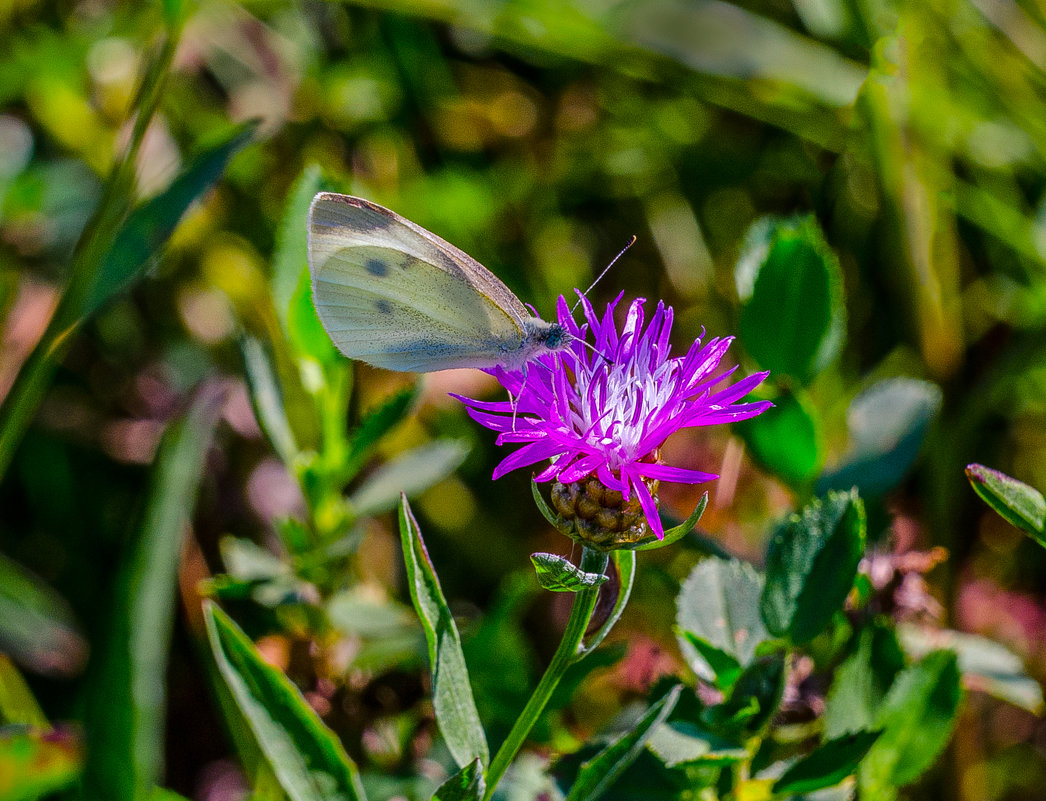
[{"x": 568, "y": 652}]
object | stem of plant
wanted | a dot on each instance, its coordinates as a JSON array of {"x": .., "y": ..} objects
[{"x": 568, "y": 652}]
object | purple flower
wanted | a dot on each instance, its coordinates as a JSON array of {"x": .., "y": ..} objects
[{"x": 605, "y": 409}]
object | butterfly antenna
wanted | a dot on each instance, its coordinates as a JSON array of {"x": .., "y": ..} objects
[
  {"x": 606, "y": 269},
  {"x": 593, "y": 348}
]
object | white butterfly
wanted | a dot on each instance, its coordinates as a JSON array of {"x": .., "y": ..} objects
[{"x": 397, "y": 296}]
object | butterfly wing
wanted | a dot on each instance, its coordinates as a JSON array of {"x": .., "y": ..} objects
[{"x": 397, "y": 296}]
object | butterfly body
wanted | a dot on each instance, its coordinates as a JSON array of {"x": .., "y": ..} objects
[{"x": 397, "y": 296}]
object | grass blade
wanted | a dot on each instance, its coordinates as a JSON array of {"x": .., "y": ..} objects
[{"x": 126, "y": 713}]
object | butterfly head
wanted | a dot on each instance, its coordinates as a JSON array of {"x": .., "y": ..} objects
[{"x": 555, "y": 337}]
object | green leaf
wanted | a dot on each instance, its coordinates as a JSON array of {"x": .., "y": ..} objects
[
  {"x": 680, "y": 742},
  {"x": 409, "y": 473},
  {"x": 451, "y": 692},
  {"x": 827, "y": 765},
  {"x": 598, "y": 774},
  {"x": 557, "y": 574},
  {"x": 717, "y": 619},
  {"x": 786, "y": 440},
  {"x": 306, "y": 757},
  {"x": 96, "y": 240},
  {"x": 37, "y": 762},
  {"x": 1015, "y": 501},
  {"x": 291, "y": 257},
  {"x": 18, "y": 706},
  {"x": 149, "y": 226},
  {"x": 465, "y": 785},
  {"x": 36, "y": 624},
  {"x": 267, "y": 399},
  {"x": 862, "y": 682},
  {"x": 916, "y": 719},
  {"x": 291, "y": 279},
  {"x": 986, "y": 666},
  {"x": 753, "y": 699},
  {"x": 127, "y": 692},
  {"x": 793, "y": 318},
  {"x": 888, "y": 423},
  {"x": 811, "y": 565},
  {"x": 376, "y": 424}
]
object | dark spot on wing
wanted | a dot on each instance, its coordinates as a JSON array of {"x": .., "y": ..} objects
[
  {"x": 383, "y": 306},
  {"x": 377, "y": 267}
]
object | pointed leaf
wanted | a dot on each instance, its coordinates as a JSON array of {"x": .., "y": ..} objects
[
  {"x": 18, "y": 706},
  {"x": 598, "y": 774},
  {"x": 680, "y": 742},
  {"x": 267, "y": 399},
  {"x": 557, "y": 574},
  {"x": 149, "y": 226},
  {"x": 811, "y": 566},
  {"x": 1015, "y": 501},
  {"x": 409, "y": 473},
  {"x": 306, "y": 757},
  {"x": 828, "y": 765},
  {"x": 452, "y": 698},
  {"x": 291, "y": 256},
  {"x": 717, "y": 616},
  {"x": 465, "y": 785},
  {"x": 888, "y": 423}
]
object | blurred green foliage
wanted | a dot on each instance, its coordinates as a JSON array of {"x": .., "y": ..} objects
[{"x": 538, "y": 136}]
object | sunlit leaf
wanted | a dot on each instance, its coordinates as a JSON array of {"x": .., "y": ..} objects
[
  {"x": 452, "y": 698},
  {"x": 811, "y": 565},
  {"x": 681, "y": 742},
  {"x": 306, "y": 757},
  {"x": 717, "y": 617},
  {"x": 558, "y": 574},
  {"x": 1015, "y": 501},
  {"x": 267, "y": 399},
  {"x": 861, "y": 683}
]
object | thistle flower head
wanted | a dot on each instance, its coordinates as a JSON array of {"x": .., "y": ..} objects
[{"x": 603, "y": 411}]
